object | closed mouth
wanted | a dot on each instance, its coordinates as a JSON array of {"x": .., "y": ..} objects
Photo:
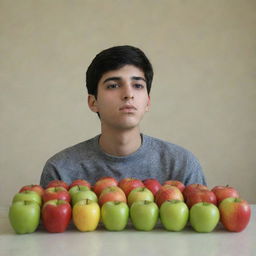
[{"x": 127, "y": 108}]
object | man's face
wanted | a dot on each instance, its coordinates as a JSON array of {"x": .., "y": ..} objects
[{"x": 122, "y": 98}]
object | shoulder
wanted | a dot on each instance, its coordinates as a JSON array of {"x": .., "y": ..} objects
[
  {"x": 75, "y": 153},
  {"x": 183, "y": 164},
  {"x": 171, "y": 152},
  {"x": 165, "y": 146}
]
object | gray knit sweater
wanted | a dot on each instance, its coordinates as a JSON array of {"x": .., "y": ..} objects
[{"x": 154, "y": 159}]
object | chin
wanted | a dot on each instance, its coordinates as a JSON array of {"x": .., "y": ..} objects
[
  {"x": 123, "y": 122},
  {"x": 127, "y": 124}
]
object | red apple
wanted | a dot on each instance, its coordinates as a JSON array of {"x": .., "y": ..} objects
[
  {"x": 168, "y": 192},
  {"x": 59, "y": 193},
  {"x": 152, "y": 184},
  {"x": 222, "y": 192},
  {"x": 113, "y": 193},
  {"x": 80, "y": 182},
  {"x": 57, "y": 183},
  {"x": 103, "y": 183},
  {"x": 128, "y": 184},
  {"x": 37, "y": 188},
  {"x": 175, "y": 183},
  {"x": 56, "y": 215},
  {"x": 235, "y": 214},
  {"x": 192, "y": 187},
  {"x": 201, "y": 195}
]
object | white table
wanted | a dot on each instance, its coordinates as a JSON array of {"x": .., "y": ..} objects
[{"x": 128, "y": 242}]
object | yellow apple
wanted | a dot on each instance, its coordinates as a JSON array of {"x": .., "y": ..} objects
[{"x": 86, "y": 215}]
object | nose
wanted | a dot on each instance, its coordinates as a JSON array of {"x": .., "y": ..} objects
[{"x": 127, "y": 92}]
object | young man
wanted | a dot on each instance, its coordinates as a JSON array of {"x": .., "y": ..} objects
[{"x": 118, "y": 82}]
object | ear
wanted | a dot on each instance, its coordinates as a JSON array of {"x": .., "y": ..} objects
[
  {"x": 148, "y": 104},
  {"x": 92, "y": 103}
]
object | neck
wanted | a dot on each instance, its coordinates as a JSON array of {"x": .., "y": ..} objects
[{"x": 120, "y": 143}]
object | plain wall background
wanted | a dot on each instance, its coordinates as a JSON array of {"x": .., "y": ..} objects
[{"x": 203, "y": 96}]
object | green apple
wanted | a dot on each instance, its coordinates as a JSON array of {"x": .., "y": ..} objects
[
  {"x": 204, "y": 217},
  {"x": 174, "y": 215},
  {"x": 77, "y": 188},
  {"x": 140, "y": 194},
  {"x": 115, "y": 215},
  {"x": 27, "y": 195},
  {"x": 144, "y": 215},
  {"x": 24, "y": 216},
  {"x": 82, "y": 195}
]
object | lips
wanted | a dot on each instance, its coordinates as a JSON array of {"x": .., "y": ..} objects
[{"x": 127, "y": 108}]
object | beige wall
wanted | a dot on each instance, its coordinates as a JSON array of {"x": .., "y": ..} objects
[{"x": 203, "y": 96}]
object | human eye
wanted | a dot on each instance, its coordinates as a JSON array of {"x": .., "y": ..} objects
[
  {"x": 112, "y": 86},
  {"x": 139, "y": 86}
]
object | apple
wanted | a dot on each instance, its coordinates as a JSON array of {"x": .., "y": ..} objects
[
  {"x": 201, "y": 195},
  {"x": 144, "y": 215},
  {"x": 80, "y": 182},
  {"x": 57, "y": 183},
  {"x": 115, "y": 215},
  {"x": 59, "y": 193},
  {"x": 86, "y": 215},
  {"x": 152, "y": 184},
  {"x": 56, "y": 215},
  {"x": 175, "y": 183},
  {"x": 113, "y": 193},
  {"x": 128, "y": 184},
  {"x": 27, "y": 195},
  {"x": 82, "y": 195},
  {"x": 103, "y": 183},
  {"x": 73, "y": 190},
  {"x": 204, "y": 217},
  {"x": 222, "y": 192},
  {"x": 235, "y": 214},
  {"x": 24, "y": 216},
  {"x": 174, "y": 215},
  {"x": 140, "y": 194},
  {"x": 37, "y": 188},
  {"x": 191, "y": 188},
  {"x": 168, "y": 192}
]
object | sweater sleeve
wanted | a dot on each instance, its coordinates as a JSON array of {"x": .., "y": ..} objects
[
  {"x": 49, "y": 173},
  {"x": 194, "y": 172}
]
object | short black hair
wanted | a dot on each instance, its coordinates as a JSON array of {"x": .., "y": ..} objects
[{"x": 115, "y": 58}]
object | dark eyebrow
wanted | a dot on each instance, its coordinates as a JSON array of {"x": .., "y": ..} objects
[
  {"x": 113, "y": 78},
  {"x": 138, "y": 78},
  {"x": 117, "y": 78}
]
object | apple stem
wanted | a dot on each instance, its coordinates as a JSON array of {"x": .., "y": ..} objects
[{"x": 59, "y": 202}]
